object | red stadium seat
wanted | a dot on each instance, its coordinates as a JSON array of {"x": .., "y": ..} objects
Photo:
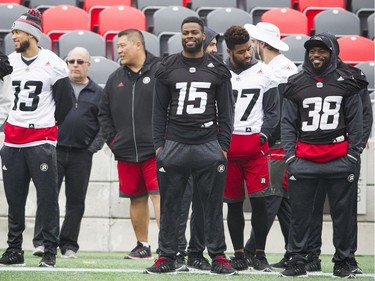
[
  {"x": 355, "y": 49},
  {"x": 116, "y": 18},
  {"x": 313, "y": 7},
  {"x": 59, "y": 19},
  {"x": 19, "y": 2},
  {"x": 94, "y": 7},
  {"x": 288, "y": 20}
]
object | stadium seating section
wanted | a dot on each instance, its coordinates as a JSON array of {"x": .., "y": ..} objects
[{"x": 94, "y": 24}]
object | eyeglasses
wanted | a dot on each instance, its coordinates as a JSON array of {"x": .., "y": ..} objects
[{"x": 80, "y": 62}]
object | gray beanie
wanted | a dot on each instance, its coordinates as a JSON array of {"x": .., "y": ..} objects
[
  {"x": 31, "y": 23},
  {"x": 210, "y": 34}
]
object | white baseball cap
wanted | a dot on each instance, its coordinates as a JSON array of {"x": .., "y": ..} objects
[{"x": 268, "y": 33}]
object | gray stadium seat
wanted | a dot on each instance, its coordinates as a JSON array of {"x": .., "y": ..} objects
[
  {"x": 93, "y": 42},
  {"x": 42, "y": 5},
  {"x": 174, "y": 44},
  {"x": 370, "y": 25},
  {"x": 296, "y": 52},
  {"x": 221, "y": 19},
  {"x": 151, "y": 43},
  {"x": 8, "y": 14},
  {"x": 203, "y": 7},
  {"x": 363, "y": 9},
  {"x": 368, "y": 69},
  {"x": 257, "y": 7},
  {"x": 337, "y": 21},
  {"x": 45, "y": 42},
  {"x": 167, "y": 22},
  {"x": 149, "y": 7},
  {"x": 101, "y": 68}
]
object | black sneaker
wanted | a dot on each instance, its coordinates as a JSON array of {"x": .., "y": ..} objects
[
  {"x": 239, "y": 262},
  {"x": 162, "y": 265},
  {"x": 198, "y": 263},
  {"x": 342, "y": 270},
  {"x": 140, "y": 252},
  {"x": 180, "y": 262},
  {"x": 48, "y": 260},
  {"x": 249, "y": 258},
  {"x": 261, "y": 263},
  {"x": 283, "y": 263},
  {"x": 12, "y": 258},
  {"x": 353, "y": 266},
  {"x": 313, "y": 265},
  {"x": 220, "y": 265},
  {"x": 294, "y": 268}
]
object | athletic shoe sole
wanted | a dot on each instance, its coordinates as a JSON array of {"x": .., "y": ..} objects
[{"x": 158, "y": 273}]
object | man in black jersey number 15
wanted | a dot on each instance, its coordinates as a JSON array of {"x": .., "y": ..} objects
[{"x": 193, "y": 113}]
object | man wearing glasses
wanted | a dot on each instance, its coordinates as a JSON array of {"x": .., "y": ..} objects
[{"x": 78, "y": 139}]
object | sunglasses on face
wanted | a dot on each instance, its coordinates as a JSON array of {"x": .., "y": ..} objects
[{"x": 80, "y": 62}]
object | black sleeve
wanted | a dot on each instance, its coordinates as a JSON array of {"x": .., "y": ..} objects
[
  {"x": 367, "y": 116},
  {"x": 289, "y": 128},
  {"x": 5, "y": 67},
  {"x": 353, "y": 116},
  {"x": 98, "y": 142},
  {"x": 105, "y": 116},
  {"x": 225, "y": 108},
  {"x": 160, "y": 106},
  {"x": 63, "y": 99},
  {"x": 271, "y": 109}
]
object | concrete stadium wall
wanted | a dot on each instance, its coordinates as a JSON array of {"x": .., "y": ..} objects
[{"x": 106, "y": 225}]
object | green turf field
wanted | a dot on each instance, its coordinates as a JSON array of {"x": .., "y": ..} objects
[{"x": 112, "y": 266}]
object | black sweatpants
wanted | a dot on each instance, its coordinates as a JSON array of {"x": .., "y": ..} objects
[
  {"x": 75, "y": 166},
  {"x": 19, "y": 166},
  {"x": 197, "y": 242},
  {"x": 302, "y": 194},
  {"x": 315, "y": 238},
  {"x": 207, "y": 165}
]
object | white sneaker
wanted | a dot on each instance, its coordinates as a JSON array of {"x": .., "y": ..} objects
[
  {"x": 69, "y": 254},
  {"x": 38, "y": 251}
]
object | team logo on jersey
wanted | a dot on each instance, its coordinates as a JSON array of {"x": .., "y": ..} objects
[
  {"x": 192, "y": 69},
  {"x": 162, "y": 170},
  {"x": 221, "y": 168},
  {"x": 210, "y": 65},
  {"x": 146, "y": 80},
  {"x": 119, "y": 85},
  {"x": 319, "y": 85},
  {"x": 43, "y": 167},
  {"x": 248, "y": 129},
  {"x": 340, "y": 79},
  {"x": 351, "y": 178}
]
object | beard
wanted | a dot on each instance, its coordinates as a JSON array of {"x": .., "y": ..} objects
[
  {"x": 23, "y": 46},
  {"x": 195, "y": 49},
  {"x": 239, "y": 63}
]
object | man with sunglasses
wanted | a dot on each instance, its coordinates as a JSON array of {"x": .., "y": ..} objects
[
  {"x": 78, "y": 139},
  {"x": 29, "y": 151}
]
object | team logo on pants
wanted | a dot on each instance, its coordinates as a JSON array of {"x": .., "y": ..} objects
[
  {"x": 221, "y": 168},
  {"x": 351, "y": 178},
  {"x": 43, "y": 167}
]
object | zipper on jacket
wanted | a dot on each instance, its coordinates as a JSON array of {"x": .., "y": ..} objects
[{"x": 133, "y": 123}]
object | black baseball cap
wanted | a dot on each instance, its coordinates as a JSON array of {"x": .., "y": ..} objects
[{"x": 318, "y": 40}]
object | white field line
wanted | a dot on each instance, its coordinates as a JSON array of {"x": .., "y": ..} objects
[{"x": 104, "y": 270}]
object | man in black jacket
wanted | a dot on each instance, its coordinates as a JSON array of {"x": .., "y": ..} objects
[
  {"x": 322, "y": 143},
  {"x": 79, "y": 138},
  {"x": 125, "y": 117}
]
